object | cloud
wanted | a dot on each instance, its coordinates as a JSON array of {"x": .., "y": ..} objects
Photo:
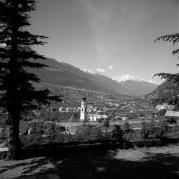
[
  {"x": 100, "y": 70},
  {"x": 111, "y": 67},
  {"x": 124, "y": 78},
  {"x": 87, "y": 70},
  {"x": 3, "y": 45},
  {"x": 135, "y": 78}
]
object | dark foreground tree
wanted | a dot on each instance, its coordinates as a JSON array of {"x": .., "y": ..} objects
[
  {"x": 173, "y": 78},
  {"x": 17, "y": 92}
]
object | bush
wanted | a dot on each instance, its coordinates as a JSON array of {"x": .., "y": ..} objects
[
  {"x": 126, "y": 127},
  {"x": 171, "y": 120},
  {"x": 4, "y": 133},
  {"x": 52, "y": 133},
  {"x": 127, "y": 131},
  {"x": 37, "y": 127},
  {"x": 162, "y": 130},
  {"x": 117, "y": 133},
  {"x": 148, "y": 129},
  {"x": 106, "y": 123},
  {"x": 31, "y": 139},
  {"x": 98, "y": 134},
  {"x": 84, "y": 133},
  {"x": 162, "y": 112}
]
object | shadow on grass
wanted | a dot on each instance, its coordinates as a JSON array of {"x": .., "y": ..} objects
[
  {"x": 99, "y": 162},
  {"x": 102, "y": 164},
  {"x": 6, "y": 168}
]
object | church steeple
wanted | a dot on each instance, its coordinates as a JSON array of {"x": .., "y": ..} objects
[{"x": 83, "y": 110}]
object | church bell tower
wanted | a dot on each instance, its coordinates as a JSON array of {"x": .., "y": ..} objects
[{"x": 83, "y": 110}]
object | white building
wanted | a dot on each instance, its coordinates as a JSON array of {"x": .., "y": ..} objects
[
  {"x": 164, "y": 106},
  {"x": 60, "y": 109},
  {"x": 83, "y": 110},
  {"x": 96, "y": 117},
  {"x": 172, "y": 114}
]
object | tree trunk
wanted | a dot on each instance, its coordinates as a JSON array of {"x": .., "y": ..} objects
[
  {"x": 13, "y": 105},
  {"x": 14, "y": 143}
]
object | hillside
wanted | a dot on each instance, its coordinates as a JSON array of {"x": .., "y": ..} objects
[
  {"x": 139, "y": 88},
  {"x": 65, "y": 75},
  {"x": 163, "y": 93}
]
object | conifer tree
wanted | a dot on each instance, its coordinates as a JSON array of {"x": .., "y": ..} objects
[
  {"x": 17, "y": 92},
  {"x": 173, "y": 78},
  {"x": 174, "y": 39}
]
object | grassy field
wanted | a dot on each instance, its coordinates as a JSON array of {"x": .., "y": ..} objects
[{"x": 153, "y": 162}]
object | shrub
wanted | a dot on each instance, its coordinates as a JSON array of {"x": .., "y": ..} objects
[
  {"x": 126, "y": 127},
  {"x": 52, "y": 133},
  {"x": 117, "y": 133},
  {"x": 4, "y": 134},
  {"x": 31, "y": 139},
  {"x": 162, "y": 112},
  {"x": 171, "y": 120},
  {"x": 98, "y": 134},
  {"x": 147, "y": 129},
  {"x": 162, "y": 130},
  {"x": 60, "y": 138},
  {"x": 37, "y": 127},
  {"x": 127, "y": 134},
  {"x": 106, "y": 123}
]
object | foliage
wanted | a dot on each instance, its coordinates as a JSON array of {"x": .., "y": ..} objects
[
  {"x": 4, "y": 134},
  {"x": 171, "y": 120},
  {"x": 17, "y": 93},
  {"x": 147, "y": 129},
  {"x": 158, "y": 129},
  {"x": 127, "y": 134},
  {"x": 172, "y": 38},
  {"x": 31, "y": 140},
  {"x": 162, "y": 112},
  {"x": 57, "y": 116},
  {"x": 162, "y": 130},
  {"x": 106, "y": 123},
  {"x": 52, "y": 133},
  {"x": 173, "y": 78},
  {"x": 117, "y": 133},
  {"x": 126, "y": 127}
]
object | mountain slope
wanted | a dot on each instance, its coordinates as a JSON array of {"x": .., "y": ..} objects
[
  {"x": 63, "y": 74},
  {"x": 164, "y": 93},
  {"x": 139, "y": 88}
]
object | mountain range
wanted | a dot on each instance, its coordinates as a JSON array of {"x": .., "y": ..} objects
[{"x": 65, "y": 75}]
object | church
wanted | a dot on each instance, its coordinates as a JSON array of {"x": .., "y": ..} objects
[{"x": 91, "y": 117}]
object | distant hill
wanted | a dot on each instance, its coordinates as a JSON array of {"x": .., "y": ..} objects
[
  {"x": 139, "y": 88},
  {"x": 65, "y": 75}
]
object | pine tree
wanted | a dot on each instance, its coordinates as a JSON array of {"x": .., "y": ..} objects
[
  {"x": 172, "y": 78},
  {"x": 174, "y": 39},
  {"x": 17, "y": 92}
]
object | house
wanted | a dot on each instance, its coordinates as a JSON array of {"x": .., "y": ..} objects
[
  {"x": 60, "y": 109},
  {"x": 124, "y": 118},
  {"x": 170, "y": 114},
  {"x": 97, "y": 117},
  {"x": 164, "y": 106}
]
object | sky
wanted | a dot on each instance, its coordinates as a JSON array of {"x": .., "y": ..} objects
[{"x": 111, "y": 37}]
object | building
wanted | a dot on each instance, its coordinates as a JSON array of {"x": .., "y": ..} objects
[
  {"x": 83, "y": 110},
  {"x": 97, "y": 117},
  {"x": 164, "y": 106},
  {"x": 174, "y": 114}
]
